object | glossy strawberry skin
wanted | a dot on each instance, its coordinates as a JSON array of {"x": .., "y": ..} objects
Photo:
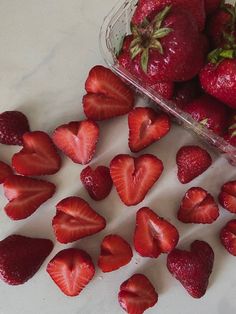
[
  {"x": 227, "y": 196},
  {"x": 186, "y": 92},
  {"x": 5, "y": 171},
  {"x": 228, "y": 237}
]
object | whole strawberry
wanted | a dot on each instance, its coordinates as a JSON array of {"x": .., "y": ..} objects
[
  {"x": 13, "y": 124},
  {"x": 212, "y": 5}
]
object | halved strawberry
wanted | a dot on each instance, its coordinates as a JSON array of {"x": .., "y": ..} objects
[
  {"x": 227, "y": 197},
  {"x": 5, "y": 171},
  {"x": 146, "y": 127},
  {"x": 198, "y": 206},
  {"x": 25, "y": 195},
  {"x": 71, "y": 270},
  {"x": 108, "y": 96},
  {"x": 75, "y": 219},
  {"x": 228, "y": 237},
  {"x": 137, "y": 294},
  {"x": 134, "y": 177},
  {"x": 153, "y": 234},
  {"x": 77, "y": 140},
  {"x": 115, "y": 253},
  {"x": 38, "y": 156}
]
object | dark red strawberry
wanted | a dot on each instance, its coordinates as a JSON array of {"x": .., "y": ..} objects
[
  {"x": 193, "y": 268},
  {"x": 228, "y": 237},
  {"x": 198, "y": 206},
  {"x": 38, "y": 156},
  {"x": 97, "y": 182},
  {"x": 212, "y": 5},
  {"x": 134, "y": 177},
  {"x": 71, "y": 270},
  {"x": 192, "y": 161},
  {"x": 21, "y": 257},
  {"x": 5, "y": 171},
  {"x": 230, "y": 136},
  {"x": 209, "y": 112},
  {"x": 146, "y": 127},
  {"x": 115, "y": 253},
  {"x": 77, "y": 140},
  {"x": 153, "y": 234},
  {"x": 227, "y": 197},
  {"x": 75, "y": 219},
  {"x": 108, "y": 96},
  {"x": 25, "y": 195},
  {"x": 13, "y": 124},
  {"x": 137, "y": 294},
  {"x": 164, "y": 89}
]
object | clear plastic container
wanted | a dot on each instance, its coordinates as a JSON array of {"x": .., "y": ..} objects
[{"x": 115, "y": 26}]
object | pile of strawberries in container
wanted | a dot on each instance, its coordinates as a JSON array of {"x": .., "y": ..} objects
[{"x": 166, "y": 51}]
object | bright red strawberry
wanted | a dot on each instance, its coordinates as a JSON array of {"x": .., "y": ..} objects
[
  {"x": 5, "y": 171},
  {"x": 97, "y": 182},
  {"x": 71, "y": 270},
  {"x": 134, "y": 177},
  {"x": 108, "y": 96},
  {"x": 77, "y": 140},
  {"x": 21, "y": 257},
  {"x": 153, "y": 234},
  {"x": 13, "y": 124},
  {"x": 146, "y": 127},
  {"x": 192, "y": 161},
  {"x": 75, "y": 219},
  {"x": 193, "y": 268},
  {"x": 228, "y": 237},
  {"x": 115, "y": 253},
  {"x": 137, "y": 294},
  {"x": 149, "y": 8},
  {"x": 198, "y": 206},
  {"x": 38, "y": 156},
  {"x": 209, "y": 112},
  {"x": 227, "y": 197},
  {"x": 212, "y": 5},
  {"x": 25, "y": 195}
]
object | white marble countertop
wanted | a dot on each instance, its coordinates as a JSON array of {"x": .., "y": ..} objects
[{"x": 46, "y": 50}]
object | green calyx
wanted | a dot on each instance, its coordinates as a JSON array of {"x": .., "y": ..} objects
[
  {"x": 147, "y": 36},
  {"x": 220, "y": 54}
]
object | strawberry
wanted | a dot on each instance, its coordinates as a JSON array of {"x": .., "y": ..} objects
[
  {"x": 228, "y": 237},
  {"x": 97, "y": 182},
  {"x": 230, "y": 136},
  {"x": 77, "y": 140},
  {"x": 153, "y": 234},
  {"x": 38, "y": 156},
  {"x": 21, "y": 257},
  {"x": 5, "y": 171},
  {"x": 25, "y": 195},
  {"x": 209, "y": 112},
  {"x": 115, "y": 253},
  {"x": 13, "y": 124},
  {"x": 71, "y": 270},
  {"x": 134, "y": 177},
  {"x": 193, "y": 268},
  {"x": 148, "y": 8},
  {"x": 192, "y": 161},
  {"x": 227, "y": 197},
  {"x": 146, "y": 127},
  {"x": 107, "y": 95},
  {"x": 137, "y": 294},
  {"x": 212, "y": 5},
  {"x": 198, "y": 206},
  {"x": 75, "y": 219}
]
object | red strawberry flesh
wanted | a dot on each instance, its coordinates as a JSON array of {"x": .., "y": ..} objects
[
  {"x": 227, "y": 197},
  {"x": 5, "y": 171},
  {"x": 228, "y": 237}
]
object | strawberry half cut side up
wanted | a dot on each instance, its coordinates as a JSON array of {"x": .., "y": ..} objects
[
  {"x": 107, "y": 95},
  {"x": 227, "y": 197},
  {"x": 5, "y": 171},
  {"x": 146, "y": 127},
  {"x": 134, "y": 177},
  {"x": 153, "y": 234},
  {"x": 38, "y": 156},
  {"x": 228, "y": 237},
  {"x": 71, "y": 270},
  {"x": 115, "y": 253},
  {"x": 137, "y": 294},
  {"x": 198, "y": 206},
  {"x": 25, "y": 195},
  {"x": 75, "y": 219},
  {"x": 77, "y": 140}
]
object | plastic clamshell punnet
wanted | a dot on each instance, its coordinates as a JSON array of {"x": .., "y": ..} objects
[{"x": 115, "y": 26}]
